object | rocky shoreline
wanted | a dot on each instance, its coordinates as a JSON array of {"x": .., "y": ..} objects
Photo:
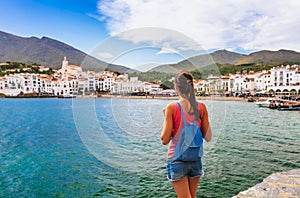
[{"x": 277, "y": 185}]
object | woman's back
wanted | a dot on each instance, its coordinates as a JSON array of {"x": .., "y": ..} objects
[{"x": 184, "y": 171}]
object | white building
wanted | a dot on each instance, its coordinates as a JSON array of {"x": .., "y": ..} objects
[
  {"x": 223, "y": 84},
  {"x": 68, "y": 80},
  {"x": 236, "y": 83},
  {"x": 10, "y": 85},
  {"x": 125, "y": 86},
  {"x": 285, "y": 80},
  {"x": 201, "y": 86},
  {"x": 105, "y": 81},
  {"x": 262, "y": 80},
  {"x": 249, "y": 82},
  {"x": 153, "y": 88},
  {"x": 213, "y": 84}
]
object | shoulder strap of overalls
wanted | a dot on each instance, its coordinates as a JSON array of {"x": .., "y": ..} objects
[{"x": 182, "y": 114}]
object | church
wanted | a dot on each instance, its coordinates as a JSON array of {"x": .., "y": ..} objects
[{"x": 68, "y": 70}]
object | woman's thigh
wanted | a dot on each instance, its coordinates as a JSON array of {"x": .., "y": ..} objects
[
  {"x": 193, "y": 185},
  {"x": 182, "y": 188}
]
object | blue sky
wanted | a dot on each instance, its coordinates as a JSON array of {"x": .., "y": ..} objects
[
  {"x": 64, "y": 20},
  {"x": 181, "y": 29}
]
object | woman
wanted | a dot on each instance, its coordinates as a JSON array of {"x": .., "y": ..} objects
[{"x": 184, "y": 175}]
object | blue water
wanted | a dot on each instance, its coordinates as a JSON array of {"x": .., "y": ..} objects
[{"x": 111, "y": 148}]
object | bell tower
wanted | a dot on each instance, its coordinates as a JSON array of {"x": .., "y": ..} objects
[{"x": 65, "y": 63}]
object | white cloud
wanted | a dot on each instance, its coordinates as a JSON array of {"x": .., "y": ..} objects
[
  {"x": 225, "y": 24},
  {"x": 159, "y": 37},
  {"x": 168, "y": 50},
  {"x": 104, "y": 55}
]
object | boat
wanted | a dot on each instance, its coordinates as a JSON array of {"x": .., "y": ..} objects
[
  {"x": 266, "y": 103},
  {"x": 250, "y": 99},
  {"x": 273, "y": 105},
  {"x": 31, "y": 95},
  {"x": 67, "y": 96},
  {"x": 289, "y": 107}
]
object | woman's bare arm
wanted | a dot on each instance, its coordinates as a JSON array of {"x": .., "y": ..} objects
[
  {"x": 168, "y": 124},
  {"x": 205, "y": 126}
]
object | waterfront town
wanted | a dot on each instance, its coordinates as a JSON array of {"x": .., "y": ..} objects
[{"x": 71, "y": 80}]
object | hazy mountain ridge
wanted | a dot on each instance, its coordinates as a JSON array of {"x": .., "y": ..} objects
[
  {"x": 226, "y": 58},
  {"x": 279, "y": 57},
  {"x": 48, "y": 52}
]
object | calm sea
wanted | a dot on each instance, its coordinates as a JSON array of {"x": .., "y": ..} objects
[{"x": 111, "y": 148}]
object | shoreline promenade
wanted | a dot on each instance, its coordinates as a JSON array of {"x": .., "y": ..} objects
[{"x": 221, "y": 98}]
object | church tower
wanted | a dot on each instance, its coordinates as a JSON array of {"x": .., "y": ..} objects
[
  {"x": 64, "y": 68},
  {"x": 65, "y": 64}
]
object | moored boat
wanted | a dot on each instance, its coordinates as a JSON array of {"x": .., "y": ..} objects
[
  {"x": 250, "y": 99},
  {"x": 266, "y": 103},
  {"x": 67, "y": 96},
  {"x": 289, "y": 108}
]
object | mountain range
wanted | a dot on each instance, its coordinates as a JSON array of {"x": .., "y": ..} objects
[
  {"x": 49, "y": 52},
  {"x": 224, "y": 58}
]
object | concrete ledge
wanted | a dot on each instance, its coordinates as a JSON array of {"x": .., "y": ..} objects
[{"x": 277, "y": 185}]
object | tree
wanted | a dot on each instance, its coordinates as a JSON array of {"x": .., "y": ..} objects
[
  {"x": 196, "y": 74},
  {"x": 167, "y": 85}
]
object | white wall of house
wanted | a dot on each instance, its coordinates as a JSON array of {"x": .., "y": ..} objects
[
  {"x": 105, "y": 84},
  {"x": 238, "y": 83},
  {"x": 125, "y": 86},
  {"x": 262, "y": 80},
  {"x": 202, "y": 86}
]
